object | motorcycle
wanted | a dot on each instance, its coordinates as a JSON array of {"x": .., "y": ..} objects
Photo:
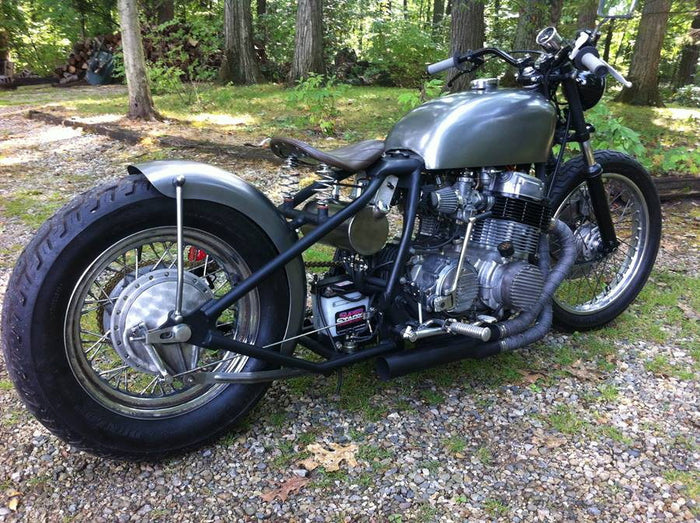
[{"x": 149, "y": 315}]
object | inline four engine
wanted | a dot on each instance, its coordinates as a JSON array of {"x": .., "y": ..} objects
[{"x": 499, "y": 273}]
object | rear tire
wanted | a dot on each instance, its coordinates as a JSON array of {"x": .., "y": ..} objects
[
  {"x": 54, "y": 325},
  {"x": 598, "y": 288}
]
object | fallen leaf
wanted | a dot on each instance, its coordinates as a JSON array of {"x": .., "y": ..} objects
[
  {"x": 330, "y": 459},
  {"x": 577, "y": 370},
  {"x": 528, "y": 377},
  {"x": 13, "y": 502},
  {"x": 553, "y": 442},
  {"x": 689, "y": 312},
  {"x": 290, "y": 485}
]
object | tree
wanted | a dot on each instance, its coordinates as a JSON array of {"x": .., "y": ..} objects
[
  {"x": 555, "y": 7},
  {"x": 140, "y": 100},
  {"x": 646, "y": 55},
  {"x": 531, "y": 20},
  {"x": 438, "y": 13},
  {"x": 690, "y": 53},
  {"x": 467, "y": 33},
  {"x": 308, "y": 40},
  {"x": 165, "y": 10},
  {"x": 238, "y": 65},
  {"x": 587, "y": 14}
]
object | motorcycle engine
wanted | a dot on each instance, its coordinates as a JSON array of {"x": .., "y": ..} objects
[{"x": 500, "y": 272}]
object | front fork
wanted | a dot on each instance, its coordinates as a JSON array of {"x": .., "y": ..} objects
[
  {"x": 594, "y": 171},
  {"x": 599, "y": 200}
]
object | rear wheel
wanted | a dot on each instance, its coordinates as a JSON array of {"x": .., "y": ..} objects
[
  {"x": 600, "y": 287},
  {"x": 100, "y": 268}
]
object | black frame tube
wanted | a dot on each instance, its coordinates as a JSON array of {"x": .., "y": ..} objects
[
  {"x": 218, "y": 341},
  {"x": 409, "y": 221},
  {"x": 214, "y": 308}
]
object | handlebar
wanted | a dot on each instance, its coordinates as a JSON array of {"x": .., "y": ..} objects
[
  {"x": 588, "y": 58},
  {"x": 443, "y": 65}
]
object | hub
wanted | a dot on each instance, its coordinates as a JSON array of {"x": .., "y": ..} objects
[{"x": 146, "y": 303}]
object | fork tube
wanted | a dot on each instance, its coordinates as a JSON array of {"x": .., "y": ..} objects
[
  {"x": 594, "y": 171},
  {"x": 177, "y": 314}
]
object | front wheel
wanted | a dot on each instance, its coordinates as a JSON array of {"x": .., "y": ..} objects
[
  {"x": 105, "y": 265},
  {"x": 600, "y": 287}
]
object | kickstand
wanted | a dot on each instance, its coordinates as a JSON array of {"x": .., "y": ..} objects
[{"x": 339, "y": 374}]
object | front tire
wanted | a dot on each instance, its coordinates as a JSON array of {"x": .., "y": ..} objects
[
  {"x": 599, "y": 288},
  {"x": 84, "y": 267}
]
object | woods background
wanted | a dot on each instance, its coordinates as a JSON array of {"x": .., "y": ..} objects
[{"x": 380, "y": 42}]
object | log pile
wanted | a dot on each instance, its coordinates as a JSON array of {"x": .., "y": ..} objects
[{"x": 77, "y": 62}]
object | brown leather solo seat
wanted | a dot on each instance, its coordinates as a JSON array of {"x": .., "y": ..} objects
[{"x": 351, "y": 158}]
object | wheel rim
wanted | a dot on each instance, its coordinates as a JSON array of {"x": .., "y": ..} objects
[
  {"x": 103, "y": 371},
  {"x": 596, "y": 282}
]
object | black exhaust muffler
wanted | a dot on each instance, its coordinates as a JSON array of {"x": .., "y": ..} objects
[{"x": 439, "y": 351}]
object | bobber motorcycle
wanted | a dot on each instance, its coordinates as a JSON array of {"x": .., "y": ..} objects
[{"x": 149, "y": 315}]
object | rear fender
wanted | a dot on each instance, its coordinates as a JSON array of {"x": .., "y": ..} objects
[{"x": 209, "y": 183}]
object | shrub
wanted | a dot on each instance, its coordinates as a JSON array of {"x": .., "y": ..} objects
[
  {"x": 318, "y": 96},
  {"x": 688, "y": 95},
  {"x": 402, "y": 48}
]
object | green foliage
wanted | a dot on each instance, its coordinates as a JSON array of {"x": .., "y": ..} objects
[
  {"x": 401, "y": 49},
  {"x": 164, "y": 79},
  {"x": 430, "y": 89},
  {"x": 688, "y": 96},
  {"x": 318, "y": 95},
  {"x": 611, "y": 133},
  {"x": 41, "y": 31}
]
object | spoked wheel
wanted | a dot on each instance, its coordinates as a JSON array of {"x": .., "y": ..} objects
[
  {"x": 600, "y": 287},
  {"x": 104, "y": 269},
  {"x": 135, "y": 281}
]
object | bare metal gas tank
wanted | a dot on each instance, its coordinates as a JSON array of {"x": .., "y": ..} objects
[{"x": 478, "y": 128}]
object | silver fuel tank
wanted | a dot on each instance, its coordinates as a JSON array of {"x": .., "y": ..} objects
[{"x": 478, "y": 128}]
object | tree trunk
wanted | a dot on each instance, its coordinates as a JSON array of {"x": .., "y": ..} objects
[
  {"x": 238, "y": 65},
  {"x": 438, "y": 12},
  {"x": 608, "y": 40},
  {"x": 587, "y": 14},
  {"x": 261, "y": 11},
  {"x": 468, "y": 30},
  {"x": 166, "y": 11},
  {"x": 308, "y": 40},
  {"x": 140, "y": 100},
  {"x": 555, "y": 7},
  {"x": 690, "y": 53},
  {"x": 531, "y": 19},
  {"x": 646, "y": 56}
]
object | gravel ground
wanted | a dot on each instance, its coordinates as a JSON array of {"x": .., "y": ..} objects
[{"x": 545, "y": 434}]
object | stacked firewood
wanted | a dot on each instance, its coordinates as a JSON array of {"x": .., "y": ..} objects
[{"x": 77, "y": 63}]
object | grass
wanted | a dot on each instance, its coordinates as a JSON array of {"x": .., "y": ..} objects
[
  {"x": 484, "y": 456},
  {"x": 494, "y": 507},
  {"x": 608, "y": 393},
  {"x": 566, "y": 421},
  {"x": 455, "y": 444},
  {"x": 32, "y": 207},
  {"x": 6, "y": 385},
  {"x": 661, "y": 366},
  {"x": 252, "y": 112},
  {"x": 689, "y": 481}
]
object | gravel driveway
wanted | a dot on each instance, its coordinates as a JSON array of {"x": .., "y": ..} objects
[{"x": 599, "y": 427}]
